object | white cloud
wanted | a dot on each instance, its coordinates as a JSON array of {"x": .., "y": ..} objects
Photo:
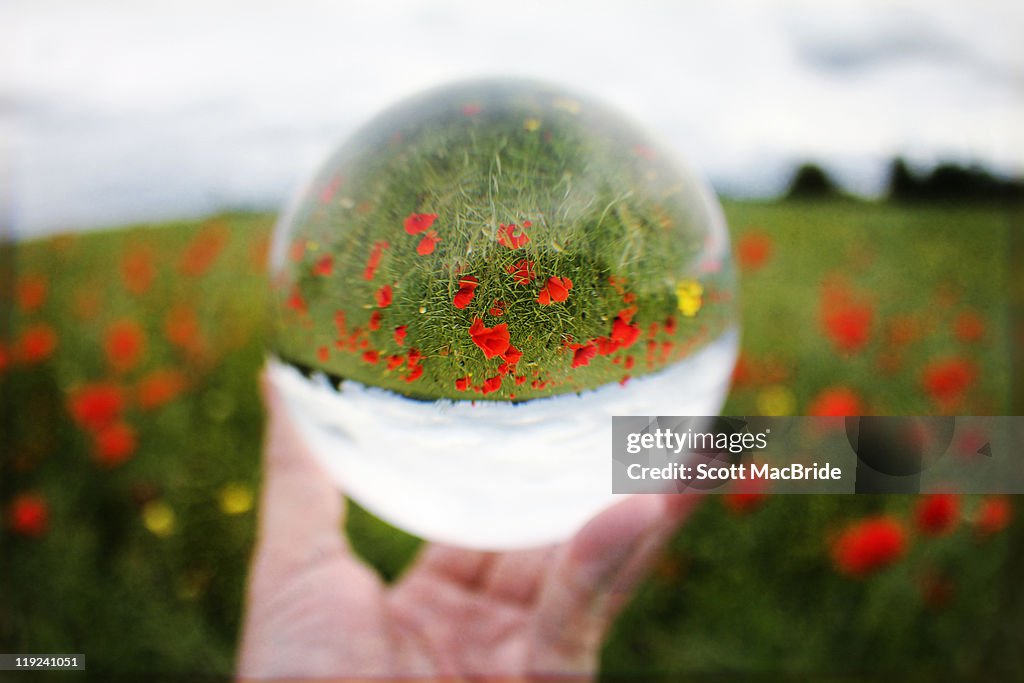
[{"x": 123, "y": 112}]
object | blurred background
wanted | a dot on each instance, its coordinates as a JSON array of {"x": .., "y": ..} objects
[
  {"x": 120, "y": 111},
  {"x": 869, "y": 156}
]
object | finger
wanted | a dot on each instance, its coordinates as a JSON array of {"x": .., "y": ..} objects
[
  {"x": 301, "y": 510},
  {"x": 441, "y": 590},
  {"x": 467, "y": 568},
  {"x": 595, "y": 571},
  {"x": 625, "y": 582},
  {"x": 517, "y": 577}
]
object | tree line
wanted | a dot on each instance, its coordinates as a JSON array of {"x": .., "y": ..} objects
[{"x": 946, "y": 182}]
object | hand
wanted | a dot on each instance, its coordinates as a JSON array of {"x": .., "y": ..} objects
[{"x": 315, "y": 610}]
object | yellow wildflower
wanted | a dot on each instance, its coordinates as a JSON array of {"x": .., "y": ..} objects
[
  {"x": 158, "y": 517},
  {"x": 689, "y": 294},
  {"x": 235, "y": 499}
]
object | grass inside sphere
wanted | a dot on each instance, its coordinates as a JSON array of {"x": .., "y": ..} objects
[{"x": 499, "y": 240}]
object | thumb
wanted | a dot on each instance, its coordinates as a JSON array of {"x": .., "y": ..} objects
[
  {"x": 599, "y": 570},
  {"x": 301, "y": 509}
]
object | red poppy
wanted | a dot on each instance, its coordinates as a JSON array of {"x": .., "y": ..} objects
[
  {"x": 467, "y": 286},
  {"x": 374, "y": 261},
  {"x": 507, "y": 236},
  {"x": 31, "y": 292},
  {"x": 747, "y": 496},
  {"x": 418, "y": 222},
  {"x": 556, "y": 290},
  {"x": 160, "y": 387},
  {"x": 204, "y": 248},
  {"x": 511, "y": 358},
  {"x": 374, "y": 322},
  {"x": 296, "y": 302},
  {"x": 582, "y": 354},
  {"x": 836, "y": 401},
  {"x": 849, "y": 327},
  {"x": 181, "y": 327},
  {"x": 383, "y": 296},
  {"x": 491, "y": 384},
  {"x": 400, "y": 333},
  {"x": 522, "y": 272},
  {"x": 624, "y": 334},
  {"x": 993, "y": 515},
  {"x": 743, "y": 503},
  {"x": 324, "y": 266},
  {"x": 512, "y": 355},
  {"x": 138, "y": 270},
  {"x": 395, "y": 361},
  {"x": 846, "y": 318},
  {"x": 969, "y": 442},
  {"x": 606, "y": 346},
  {"x": 371, "y": 356},
  {"x": 29, "y": 515},
  {"x": 323, "y": 354},
  {"x": 753, "y": 250},
  {"x": 497, "y": 309},
  {"x": 38, "y": 342},
  {"x": 969, "y": 327},
  {"x": 415, "y": 371},
  {"x": 869, "y": 545},
  {"x": 670, "y": 325},
  {"x": 94, "y": 406},
  {"x": 666, "y": 350},
  {"x": 493, "y": 341},
  {"x": 427, "y": 244},
  {"x": 124, "y": 343},
  {"x": 340, "y": 323},
  {"x": 114, "y": 444},
  {"x": 937, "y": 514},
  {"x": 462, "y": 384},
  {"x": 414, "y": 356},
  {"x": 742, "y": 373},
  {"x": 947, "y": 380}
]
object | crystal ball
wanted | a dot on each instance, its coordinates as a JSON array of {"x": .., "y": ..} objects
[{"x": 472, "y": 285}]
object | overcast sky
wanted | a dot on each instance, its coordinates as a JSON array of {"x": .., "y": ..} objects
[{"x": 112, "y": 112}]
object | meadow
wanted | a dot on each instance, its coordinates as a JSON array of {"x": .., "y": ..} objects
[{"x": 130, "y": 429}]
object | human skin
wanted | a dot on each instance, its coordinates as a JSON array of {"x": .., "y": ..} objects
[{"x": 315, "y": 610}]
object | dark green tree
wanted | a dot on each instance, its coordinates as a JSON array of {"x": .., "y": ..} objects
[
  {"x": 811, "y": 182},
  {"x": 903, "y": 185}
]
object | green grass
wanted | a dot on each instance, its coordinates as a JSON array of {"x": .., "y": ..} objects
[{"x": 114, "y": 578}]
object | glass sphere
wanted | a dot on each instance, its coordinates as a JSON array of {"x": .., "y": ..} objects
[{"x": 472, "y": 286}]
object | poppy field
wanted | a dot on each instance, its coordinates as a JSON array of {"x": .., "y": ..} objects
[{"x": 130, "y": 431}]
